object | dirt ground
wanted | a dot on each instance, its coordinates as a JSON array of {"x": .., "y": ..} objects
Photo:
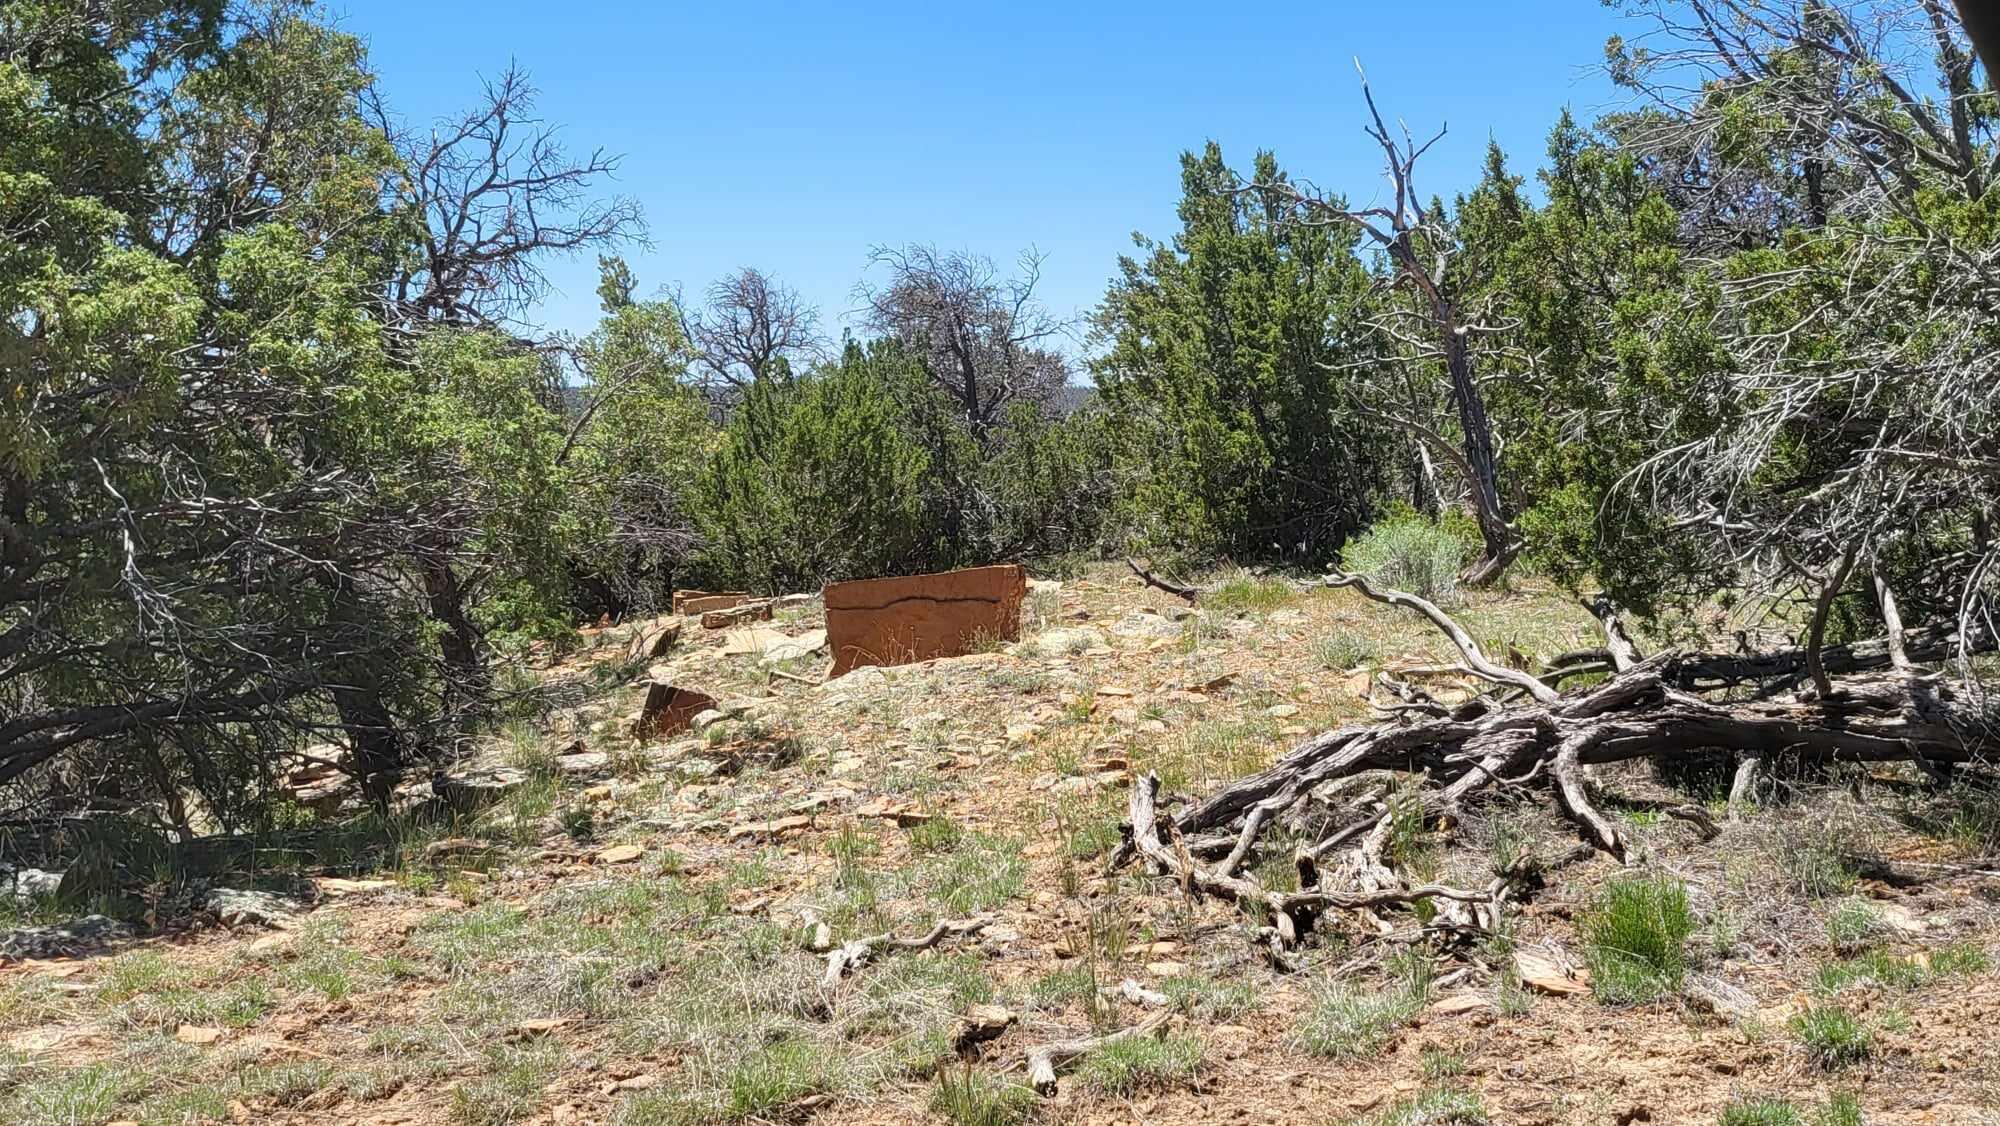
[{"x": 622, "y": 937}]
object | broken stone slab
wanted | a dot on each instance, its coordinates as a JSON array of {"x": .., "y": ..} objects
[
  {"x": 885, "y": 808},
  {"x": 896, "y": 621},
  {"x": 583, "y": 764},
  {"x": 776, "y": 827},
  {"x": 1061, "y": 640},
  {"x": 796, "y": 648},
  {"x": 668, "y": 710},
  {"x": 1141, "y": 624},
  {"x": 736, "y": 615},
  {"x": 754, "y": 641},
  {"x": 979, "y": 1024},
  {"x": 653, "y": 642},
  {"x": 1719, "y": 996},
  {"x": 92, "y": 934},
  {"x": 237, "y": 907},
  {"x": 1550, "y": 973},
  {"x": 717, "y": 599}
]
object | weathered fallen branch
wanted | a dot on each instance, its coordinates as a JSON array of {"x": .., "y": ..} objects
[
  {"x": 1701, "y": 672},
  {"x": 846, "y": 958},
  {"x": 1190, "y": 593},
  {"x": 1046, "y": 1059},
  {"x": 1542, "y": 738}
]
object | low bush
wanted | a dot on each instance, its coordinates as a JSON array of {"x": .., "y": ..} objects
[{"x": 1410, "y": 553}]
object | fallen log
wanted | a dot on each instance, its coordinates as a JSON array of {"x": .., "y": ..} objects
[{"x": 1542, "y": 737}]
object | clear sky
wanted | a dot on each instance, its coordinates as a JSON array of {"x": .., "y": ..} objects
[{"x": 793, "y": 137}]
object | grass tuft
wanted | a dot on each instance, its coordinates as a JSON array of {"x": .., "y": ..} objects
[
  {"x": 1832, "y": 1036},
  {"x": 1142, "y": 1063},
  {"x": 1635, "y": 939}
]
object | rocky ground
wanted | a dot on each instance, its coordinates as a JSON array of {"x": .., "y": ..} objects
[{"x": 664, "y": 931}]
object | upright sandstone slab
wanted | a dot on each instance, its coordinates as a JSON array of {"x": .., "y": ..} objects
[{"x": 902, "y": 620}]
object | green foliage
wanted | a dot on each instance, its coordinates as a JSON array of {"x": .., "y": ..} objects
[
  {"x": 817, "y": 479},
  {"x": 1832, "y": 1036},
  {"x": 1138, "y": 1063},
  {"x": 966, "y": 1097},
  {"x": 1406, "y": 551},
  {"x": 1345, "y": 1023},
  {"x": 1760, "y": 1112},
  {"x": 1851, "y": 925},
  {"x": 630, "y": 481},
  {"x": 1436, "y": 1107},
  {"x": 1220, "y": 375},
  {"x": 1635, "y": 939}
]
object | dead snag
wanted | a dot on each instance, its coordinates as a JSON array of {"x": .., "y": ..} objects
[{"x": 1045, "y": 1059}]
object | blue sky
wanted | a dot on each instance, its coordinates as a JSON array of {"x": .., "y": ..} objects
[{"x": 793, "y": 137}]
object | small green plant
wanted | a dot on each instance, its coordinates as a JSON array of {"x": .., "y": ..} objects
[
  {"x": 1205, "y": 998},
  {"x": 1843, "y": 1109},
  {"x": 1851, "y": 925},
  {"x": 1142, "y": 1062},
  {"x": 1437, "y": 1107},
  {"x": 767, "y": 1080},
  {"x": 1832, "y": 1036},
  {"x": 1902, "y": 972},
  {"x": 1345, "y": 1023},
  {"x": 1635, "y": 939},
  {"x": 1243, "y": 592},
  {"x": 935, "y": 834},
  {"x": 1337, "y": 652},
  {"x": 1441, "y": 1064},
  {"x": 1760, "y": 1112},
  {"x": 967, "y": 1097}
]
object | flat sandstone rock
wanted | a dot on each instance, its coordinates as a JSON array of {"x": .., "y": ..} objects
[{"x": 921, "y": 617}]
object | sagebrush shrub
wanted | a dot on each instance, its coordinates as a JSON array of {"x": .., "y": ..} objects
[{"x": 1408, "y": 552}]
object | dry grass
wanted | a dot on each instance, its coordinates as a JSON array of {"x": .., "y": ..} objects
[{"x": 674, "y": 988}]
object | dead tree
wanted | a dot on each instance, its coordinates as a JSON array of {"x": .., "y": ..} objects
[
  {"x": 751, "y": 322},
  {"x": 986, "y": 341},
  {"x": 1341, "y": 790},
  {"x": 1420, "y": 248}
]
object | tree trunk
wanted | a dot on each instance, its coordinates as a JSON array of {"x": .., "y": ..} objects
[{"x": 1499, "y": 545}]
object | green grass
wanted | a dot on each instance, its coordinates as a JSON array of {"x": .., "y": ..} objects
[
  {"x": 1760, "y": 1112},
  {"x": 1635, "y": 939},
  {"x": 1441, "y": 1064},
  {"x": 1832, "y": 1036},
  {"x": 1071, "y": 984},
  {"x": 510, "y": 1089},
  {"x": 1852, "y": 924},
  {"x": 980, "y": 873},
  {"x": 1138, "y": 1063},
  {"x": 765, "y": 1082},
  {"x": 1205, "y": 998},
  {"x": 966, "y": 1097},
  {"x": 1246, "y": 592},
  {"x": 1338, "y": 652},
  {"x": 1894, "y": 971},
  {"x": 80, "y": 1095},
  {"x": 1437, "y": 1107},
  {"x": 1345, "y": 1023}
]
